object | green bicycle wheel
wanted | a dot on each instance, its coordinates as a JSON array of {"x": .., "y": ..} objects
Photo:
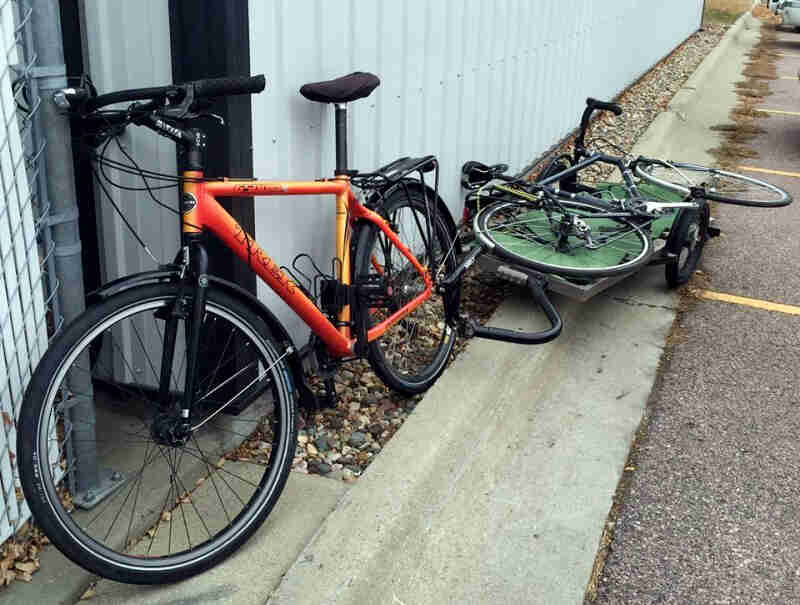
[{"x": 571, "y": 238}]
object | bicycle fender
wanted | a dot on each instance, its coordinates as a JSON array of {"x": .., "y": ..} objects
[
  {"x": 374, "y": 203},
  {"x": 135, "y": 279}
]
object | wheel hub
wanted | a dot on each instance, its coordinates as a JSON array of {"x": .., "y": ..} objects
[{"x": 170, "y": 430}]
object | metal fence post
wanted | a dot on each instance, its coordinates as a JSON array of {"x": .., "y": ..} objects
[{"x": 85, "y": 479}]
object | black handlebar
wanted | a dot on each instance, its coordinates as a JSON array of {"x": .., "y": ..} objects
[
  {"x": 591, "y": 106},
  {"x": 198, "y": 89},
  {"x": 220, "y": 87},
  {"x": 603, "y": 105}
]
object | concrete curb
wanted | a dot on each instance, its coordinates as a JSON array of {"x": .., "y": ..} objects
[{"x": 497, "y": 487}]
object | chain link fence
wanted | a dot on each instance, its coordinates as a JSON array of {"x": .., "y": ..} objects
[{"x": 29, "y": 313}]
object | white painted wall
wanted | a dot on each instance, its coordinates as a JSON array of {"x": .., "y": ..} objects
[{"x": 497, "y": 81}]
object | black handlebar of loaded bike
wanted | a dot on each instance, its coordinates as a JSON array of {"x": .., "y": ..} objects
[
  {"x": 199, "y": 89},
  {"x": 591, "y": 106},
  {"x": 603, "y": 105}
]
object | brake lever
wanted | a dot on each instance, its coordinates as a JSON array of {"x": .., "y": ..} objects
[
  {"x": 181, "y": 110},
  {"x": 213, "y": 116}
]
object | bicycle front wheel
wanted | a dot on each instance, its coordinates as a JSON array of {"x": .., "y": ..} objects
[
  {"x": 535, "y": 236},
  {"x": 100, "y": 466},
  {"x": 411, "y": 354},
  {"x": 719, "y": 185}
]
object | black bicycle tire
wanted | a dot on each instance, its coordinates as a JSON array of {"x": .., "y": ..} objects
[
  {"x": 784, "y": 198},
  {"x": 56, "y": 523},
  {"x": 366, "y": 238},
  {"x": 497, "y": 248},
  {"x": 675, "y": 273}
]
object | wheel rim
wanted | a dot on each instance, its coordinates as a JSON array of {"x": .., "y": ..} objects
[
  {"x": 720, "y": 185},
  {"x": 530, "y": 235},
  {"x": 145, "y": 524}
]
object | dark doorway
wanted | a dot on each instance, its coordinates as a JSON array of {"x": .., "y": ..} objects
[{"x": 211, "y": 39}]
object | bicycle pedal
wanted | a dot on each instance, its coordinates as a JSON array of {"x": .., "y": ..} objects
[{"x": 374, "y": 292}]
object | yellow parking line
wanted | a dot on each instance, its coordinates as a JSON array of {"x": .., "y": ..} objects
[
  {"x": 747, "y": 302},
  {"x": 788, "y": 55},
  {"x": 768, "y": 171},
  {"x": 781, "y": 112},
  {"x": 790, "y": 77}
]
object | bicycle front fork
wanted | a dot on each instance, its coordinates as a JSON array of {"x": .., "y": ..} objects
[{"x": 195, "y": 270}]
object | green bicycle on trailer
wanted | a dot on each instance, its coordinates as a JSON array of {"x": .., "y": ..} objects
[
  {"x": 578, "y": 238},
  {"x": 657, "y": 214}
]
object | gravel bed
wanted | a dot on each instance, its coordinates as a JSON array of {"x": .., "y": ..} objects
[{"x": 341, "y": 442}]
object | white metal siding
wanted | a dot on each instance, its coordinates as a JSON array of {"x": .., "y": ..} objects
[
  {"x": 129, "y": 47},
  {"x": 494, "y": 81}
]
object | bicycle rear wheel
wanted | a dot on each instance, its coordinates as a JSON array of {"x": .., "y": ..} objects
[
  {"x": 719, "y": 185},
  {"x": 100, "y": 471},
  {"x": 412, "y": 353},
  {"x": 531, "y": 236}
]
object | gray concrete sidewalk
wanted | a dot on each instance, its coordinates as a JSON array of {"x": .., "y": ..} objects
[{"x": 497, "y": 488}]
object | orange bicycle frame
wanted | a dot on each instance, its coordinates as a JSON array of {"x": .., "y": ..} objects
[{"x": 205, "y": 212}]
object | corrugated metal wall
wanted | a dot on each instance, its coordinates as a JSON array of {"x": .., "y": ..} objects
[
  {"x": 128, "y": 46},
  {"x": 497, "y": 81}
]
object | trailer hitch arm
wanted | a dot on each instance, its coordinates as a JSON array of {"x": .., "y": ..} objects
[{"x": 537, "y": 284}]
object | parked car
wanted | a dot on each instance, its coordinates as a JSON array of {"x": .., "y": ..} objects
[{"x": 790, "y": 11}]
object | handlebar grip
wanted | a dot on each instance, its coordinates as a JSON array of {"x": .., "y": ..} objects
[
  {"x": 612, "y": 107},
  {"x": 219, "y": 87},
  {"x": 213, "y": 87}
]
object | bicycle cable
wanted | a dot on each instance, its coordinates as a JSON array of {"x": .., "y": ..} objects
[
  {"x": 100, "y": 175},
  {"x": 124, "y": 220}
]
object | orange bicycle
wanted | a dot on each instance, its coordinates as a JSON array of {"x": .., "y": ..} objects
[{"x": 159, "y": 428}]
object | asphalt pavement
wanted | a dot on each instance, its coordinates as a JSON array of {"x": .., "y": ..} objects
[{"x": 710, "y": 513}]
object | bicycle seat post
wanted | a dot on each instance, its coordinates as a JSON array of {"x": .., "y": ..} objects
[{"x": 341, "y": 139}]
